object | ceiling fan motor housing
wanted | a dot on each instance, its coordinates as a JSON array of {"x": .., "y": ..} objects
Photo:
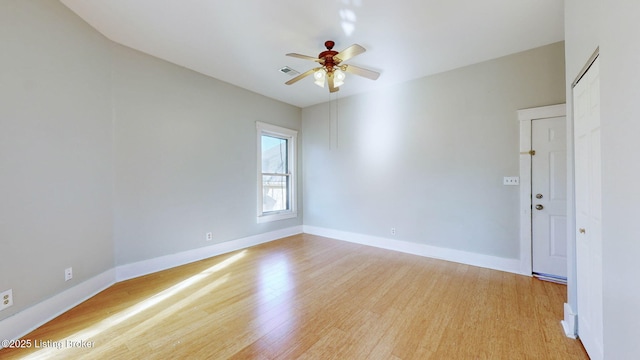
[
  {"x": 329, "y": 62},
  {"x": 328, "y": 56}
]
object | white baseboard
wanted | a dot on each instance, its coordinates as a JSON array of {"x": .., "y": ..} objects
[
  {"x": 570, "y": 322},
  {"x": 24, "y": 322},
  {"x": 463, "y": 257},
  {"x": 140, "y": 268}
]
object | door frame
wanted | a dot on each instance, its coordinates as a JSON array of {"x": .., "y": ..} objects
[{"x": 525, "y": 117}]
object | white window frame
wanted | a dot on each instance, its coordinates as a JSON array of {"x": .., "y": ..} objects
[{"x": 291, "y": 136}]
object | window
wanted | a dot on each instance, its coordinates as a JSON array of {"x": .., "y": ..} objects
[{"x": 276, "y": 172}]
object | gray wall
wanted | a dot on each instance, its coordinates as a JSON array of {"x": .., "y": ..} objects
[
  {"x": 613, "y": 26},
  {"x": 56, "y": 148},
  {"x": 427, "y": 157},
  {"x": 109, "y": 156},
  {"x": 185, "y": 157}
]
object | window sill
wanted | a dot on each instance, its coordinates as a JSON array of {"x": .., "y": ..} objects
[{"x": 277, "y": 216}]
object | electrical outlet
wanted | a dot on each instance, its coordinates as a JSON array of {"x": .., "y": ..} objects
[
  {"x": 511, "y": 180},
  {"x": 6, "y": 299},
  {"x": 393, "y": 231},
  {"x": 209, "y": 236},
  {"x": 68, "y": 274}
]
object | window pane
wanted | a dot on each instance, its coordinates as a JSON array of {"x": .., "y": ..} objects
[
  {"x": 274, "y": 155},
  {"x": 275, "y": 191}
]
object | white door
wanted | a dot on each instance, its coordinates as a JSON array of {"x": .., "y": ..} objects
[
  {"x": 549, "y": 198},
  {"x": 586, "y": 100}
]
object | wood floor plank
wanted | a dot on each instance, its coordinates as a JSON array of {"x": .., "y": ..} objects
[{"x": 315, "y": 298}]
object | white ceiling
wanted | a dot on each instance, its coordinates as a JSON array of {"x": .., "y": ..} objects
[{"x": 244, "y": 42}]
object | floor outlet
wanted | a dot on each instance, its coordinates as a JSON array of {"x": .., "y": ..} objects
[
  {"x": 68, "y": 274},
  {"x": 209, "y": 236},
  {"x": 6, "y": 299}
]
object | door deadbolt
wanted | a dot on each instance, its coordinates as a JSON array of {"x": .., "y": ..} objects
[
  {"x": 539, "y": 207},
  {"x": 538, "y": 196}
]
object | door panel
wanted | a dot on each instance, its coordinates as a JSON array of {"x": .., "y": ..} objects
[
  {"x": 549, "y": 197},
  {"x": 559, "y": 232},
  {"x": 588, "y": 210}
]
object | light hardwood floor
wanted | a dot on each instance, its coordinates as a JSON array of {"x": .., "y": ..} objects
[{"x": 314, "y": 298}]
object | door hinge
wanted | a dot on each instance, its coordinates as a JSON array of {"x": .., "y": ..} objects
[{"x": 532, "y": 152}]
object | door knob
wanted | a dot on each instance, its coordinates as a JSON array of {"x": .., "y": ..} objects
[
  {"x": 539, "y": 207},
  {"x": 582, "y": 230}
]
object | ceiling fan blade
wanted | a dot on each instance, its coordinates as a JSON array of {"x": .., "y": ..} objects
[
  {"x": 332, "y": 87},
  {"x": 369, "y": 74},
  {"x": 349, "y": 52},
  {"x": 301, "y": 76},
  {"x": 306, "y": 57}
]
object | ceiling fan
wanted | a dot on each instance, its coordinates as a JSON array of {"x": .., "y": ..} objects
[{"x": 332, "y": 68}]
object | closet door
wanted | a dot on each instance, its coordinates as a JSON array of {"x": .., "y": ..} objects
[{"x": 586, "y": 102}]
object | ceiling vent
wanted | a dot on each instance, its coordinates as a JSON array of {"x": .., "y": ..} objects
[{"x": 289, "y": 71}]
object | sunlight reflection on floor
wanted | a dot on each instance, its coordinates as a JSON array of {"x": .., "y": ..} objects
[
  {"x": 275, "y": 310},
  {"x": 91, "y": 332}
]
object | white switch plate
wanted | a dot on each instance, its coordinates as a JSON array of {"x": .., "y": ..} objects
[
  {"x": 6, "y": 299},
  {"x": 68, "y": 274},
  {"x": 511, "y": 180}
]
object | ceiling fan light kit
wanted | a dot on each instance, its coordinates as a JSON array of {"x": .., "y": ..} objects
[
  {"x": 320, "y": 76},
  {"x": 338, "y": 76},
  {"x": 332, "y": 71}
]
